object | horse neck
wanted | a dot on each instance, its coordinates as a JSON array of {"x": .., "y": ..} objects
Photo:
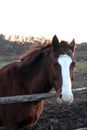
[
  {"x": 43, "y": 84},
  {"x": 37, "y": 77}
]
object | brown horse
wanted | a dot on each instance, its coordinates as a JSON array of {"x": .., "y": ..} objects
[{"x": 39, "y": 70}]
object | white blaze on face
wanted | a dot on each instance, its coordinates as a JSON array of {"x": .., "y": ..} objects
[{"x": 65, "y": 61}]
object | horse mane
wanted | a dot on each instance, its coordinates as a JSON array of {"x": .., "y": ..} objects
[{"x": 34, "y": 53}]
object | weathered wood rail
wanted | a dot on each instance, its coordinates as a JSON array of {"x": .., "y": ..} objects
[
  {"x": 35, "y": 97},
  {"x": 82, "y": 128}
]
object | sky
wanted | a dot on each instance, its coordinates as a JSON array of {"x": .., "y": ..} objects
[{"x": 65, "y": 18}]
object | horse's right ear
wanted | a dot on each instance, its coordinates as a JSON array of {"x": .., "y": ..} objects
[{"x": 55, "y": 42}]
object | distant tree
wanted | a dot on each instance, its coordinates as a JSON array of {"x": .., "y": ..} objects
[{"x": 2, "y": 38}]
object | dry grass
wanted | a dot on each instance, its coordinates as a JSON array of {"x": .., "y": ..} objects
[{"x": 80, "y": 78}]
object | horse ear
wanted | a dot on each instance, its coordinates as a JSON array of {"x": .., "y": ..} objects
[
  {"x": 72, "y": 45},
  {"x": 55, "y": 42}
]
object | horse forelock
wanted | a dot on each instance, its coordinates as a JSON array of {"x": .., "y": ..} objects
[
  {"x": 64, "y": 47},
  {"x": 64, "y": 44}
]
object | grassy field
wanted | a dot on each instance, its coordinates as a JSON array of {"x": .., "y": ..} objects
[
  {"x": 2, "y": 63},
  {"x": 80, "y": 76}
]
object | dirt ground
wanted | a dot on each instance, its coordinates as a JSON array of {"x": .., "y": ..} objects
[{"x": 57, "y": 117}]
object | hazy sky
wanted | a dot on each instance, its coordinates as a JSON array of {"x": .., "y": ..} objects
[{"x": 65, "y": 18}]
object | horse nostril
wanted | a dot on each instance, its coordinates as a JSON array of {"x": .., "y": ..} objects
[{"x": 60, "y": 96}]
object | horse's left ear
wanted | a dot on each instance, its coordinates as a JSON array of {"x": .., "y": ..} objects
[
  {"x": 72, "y": 45},
  {"x": 55, "y": 42}
]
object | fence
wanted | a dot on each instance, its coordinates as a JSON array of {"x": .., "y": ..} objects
[{"x": 35, "y": 97}]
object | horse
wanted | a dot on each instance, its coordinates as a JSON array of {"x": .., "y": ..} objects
[{"x": 38, "y": 70}]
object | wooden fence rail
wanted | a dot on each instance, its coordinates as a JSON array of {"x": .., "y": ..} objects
[
  {"x": 82, "y": 128},
  {"x": 35, "y": 97}
]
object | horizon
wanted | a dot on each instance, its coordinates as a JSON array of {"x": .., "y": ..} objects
[
  {"x": 22, "y": 38},
  {"x": 67, "y": 19}
]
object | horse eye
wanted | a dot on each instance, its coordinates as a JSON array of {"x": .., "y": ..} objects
[
  {"x": 55, "y": 64},
  {"x": 74, "y": 64}
]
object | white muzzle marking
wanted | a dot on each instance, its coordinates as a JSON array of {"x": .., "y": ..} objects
[{"x": 66, "y": 93}]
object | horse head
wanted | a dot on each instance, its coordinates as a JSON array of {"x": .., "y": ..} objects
[{"x": 63, "y": 64}]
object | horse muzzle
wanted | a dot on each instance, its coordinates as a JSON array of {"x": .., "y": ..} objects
[{"x": 65, "y": 99}]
